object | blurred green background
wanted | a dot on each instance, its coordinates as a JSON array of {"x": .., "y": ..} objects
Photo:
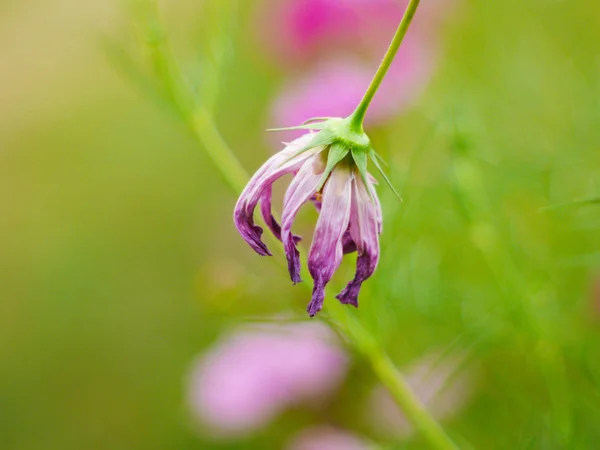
[{"x": 119, "y": 262}]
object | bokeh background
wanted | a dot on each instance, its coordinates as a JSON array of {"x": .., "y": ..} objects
[{"x": 120, "y": 266}]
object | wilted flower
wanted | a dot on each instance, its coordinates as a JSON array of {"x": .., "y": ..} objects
[
  {"x": 253, "y": 374},
  {"x": 328, "y": 438},
  {"x": 330, "y": 168}
]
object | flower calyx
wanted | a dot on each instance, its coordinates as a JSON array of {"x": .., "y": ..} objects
[{"x": 344, "y": 143}]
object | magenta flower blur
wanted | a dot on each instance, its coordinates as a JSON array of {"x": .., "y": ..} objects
[
  {"x": 334, "y": 176},
  {"x": 332, "y": 87},
  {"x": 328, "y": 438},
  {"x": 252, "y": 374},
  {"x": 310, "y": 30},
  {"x": 306, "y": 29}
]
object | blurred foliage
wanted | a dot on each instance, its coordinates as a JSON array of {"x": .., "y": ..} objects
[{"x": 120, "y": 263}]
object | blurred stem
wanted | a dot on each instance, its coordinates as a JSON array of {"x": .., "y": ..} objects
[
  {"x": 358, "y": 116},
  {"x": 211, "y": 140},
  {"x": 204, "y": 129},
  {"x": 387, "y": 373},
  {"x": 195, "y": 115}
]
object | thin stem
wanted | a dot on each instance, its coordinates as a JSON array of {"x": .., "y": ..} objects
[
  {"x": 358, "y": 115},
  {"x": 416, "y": 413},
  {"x": 195, "y": 115},
  {"x": 387, "y": 373},
  {"x": 215, "y": 146}
]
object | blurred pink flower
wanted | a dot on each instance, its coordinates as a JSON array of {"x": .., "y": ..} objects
[
  {"x": 308, "y": 29},
  {"x": 438, "y": 382},
  {"x": 335, "y": 87},
  {"x": 328, "y": 438},
  {"x": 252, "y": 374}
]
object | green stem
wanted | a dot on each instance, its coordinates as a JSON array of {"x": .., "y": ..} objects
[
  {"x": 358, "y": 116},
  {"x": 217, "y": 149},
  {"x": 416, "y": 413},
  {"x": 387, "y": 373},
  {"x": 195, "y": 115}
]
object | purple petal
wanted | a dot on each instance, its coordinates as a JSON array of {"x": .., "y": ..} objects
[
  {"x": 276, "y": 166},
  {"x": 379, "y": 214},
  {"x": 301, "y": 189},
  {"x": 265, "y": 209},
  {"x": 364, "y": 229},
  {"x": 348, "y": 244},
  {"x": 326, "y": 250}
]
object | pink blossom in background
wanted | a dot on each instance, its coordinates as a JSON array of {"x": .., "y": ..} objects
[
  {"x": 440, "y": 383},
  {"x": 328, "y": 438},
  {"x": 297, "y": 30},
  {"x": 334, "y": 87},
  {"x": 294, "y": 31},
  {"x": 249, "y": 376}
]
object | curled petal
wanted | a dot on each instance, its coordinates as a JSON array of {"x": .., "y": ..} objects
[
  {"x": 364, "y": 229},
  {"x": 326, "y": 250},
  {"x": 375, "y": 198},
  {"x": 301, "y": 189},
  {"x": 276, "y": 166},
  {"x": 348, "y": 244},
  {"x": 265, "y": 209}
]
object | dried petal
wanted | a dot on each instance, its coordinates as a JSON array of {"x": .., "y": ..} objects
[
  {"x": 326, "y": 250},
  {"x": 276, "y": 166},
  {"x": 301, "y": 190},
  {"x": 364, "y": 229}
]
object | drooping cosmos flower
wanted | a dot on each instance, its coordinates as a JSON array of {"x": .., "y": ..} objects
[
  {"x": 253, "y": 374},
  {"x": 331, "y": 172}
]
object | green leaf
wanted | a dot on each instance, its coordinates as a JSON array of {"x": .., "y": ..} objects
[
  {"x": 305, "y": 126},
  {"x": 386, "y": 179},
  {"x": 585, "y": 202},
  {"x": 361, "y": 159},
  {"x": 379, "y": 158},
  {"x": 324, "y": 137},
  {"x": 318, "y": 119},
  {"x": 337, "y": 152}
]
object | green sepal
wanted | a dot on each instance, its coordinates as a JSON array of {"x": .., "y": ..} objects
[
  {"x": 318, "y": 119},
  {"x": 323, "y": 137},
  {"x": 304, "y": 126},
  {"x": 379, "y": 168},
  {"x": 360, "y": 160},
  {"x": 379, "y": 157},
  {"x": 337, "y": 152}
]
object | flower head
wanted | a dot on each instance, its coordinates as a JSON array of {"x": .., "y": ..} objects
[{"x": 330, "y": 168}]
